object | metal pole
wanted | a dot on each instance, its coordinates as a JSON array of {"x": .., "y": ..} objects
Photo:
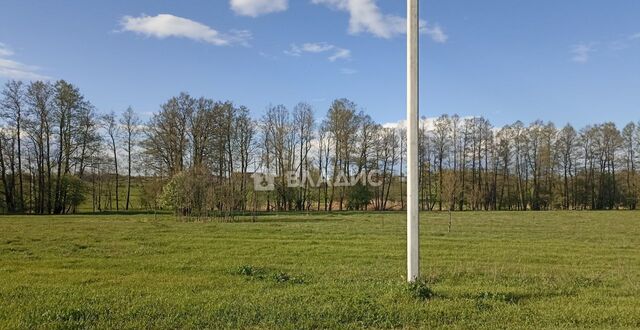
[{"x": 413, "y": 239}]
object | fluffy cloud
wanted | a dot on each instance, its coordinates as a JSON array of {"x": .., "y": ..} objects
[
  {"x": 435, "y": 32},
  {"x": 582, "y": 52},
  {"x": 337, "y": 53},
  {"x": 15, "y": 70},
  {"x": 255, "y": 8},
  {"x": 311, "y": 47},
  {"x": 340, "y": 53},
  {"x": 366, "y": 16},
  {"x": 5, "y": 51},
  {"x": 167, "y": 25}
]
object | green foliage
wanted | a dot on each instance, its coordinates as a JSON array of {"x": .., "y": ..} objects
[
  {"x": 420, "y": 289},
  {"x": 171, "y": 192},
  {"x": 359, "y": 197},
  {"x": 189, "y": 193},
  {"x": 74, "y": 189}
]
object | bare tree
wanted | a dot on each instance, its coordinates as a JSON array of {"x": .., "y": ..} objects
[
  {"x": 39, "y": 98},
  {"x": 12, "y": 105},
  {"x": 244, "y": 146},
  {"x": 304, "y": 123},
  {"x": 441, "y": 143},
  {"x": 113, "y": 131},
  {"x": 130, "y": 124},
  {"x": 566, "y": 145}
]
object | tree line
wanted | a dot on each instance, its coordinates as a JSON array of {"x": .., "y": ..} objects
[{"x": 197, "y": 156}]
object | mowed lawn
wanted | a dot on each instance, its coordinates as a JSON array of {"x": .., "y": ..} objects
[{"x": 493, "y": 270}]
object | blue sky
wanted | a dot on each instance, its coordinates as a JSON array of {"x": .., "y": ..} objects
[{"x": 565, "y": 61}]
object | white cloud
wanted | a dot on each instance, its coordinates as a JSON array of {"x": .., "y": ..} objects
[
  {"x": 624, "y": 43},
  {"x": 582, "y": 52},
  {"x": 425, "y": 122},
  {"x": 428, "y": 123},
  {"x": 167, "y": 25},
  {"x": 618, "y": 45},
  {"x": 337, "y": 53},
  {"x": 340, "y": 54},
  {"x": 317, "y": 47},
  {"x": 267, "y": 56},
  {"x": 5, "y": 51},
  {"x": 366, "y": 16},
  {"x": 348, "y": 71},
  {"x": 15, "y": 70},
  {"x": 255, "y": 8},
  {"x": 435, "y": 32}
]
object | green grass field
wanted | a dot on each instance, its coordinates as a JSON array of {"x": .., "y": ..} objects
[{"x": 493, "y": 270}]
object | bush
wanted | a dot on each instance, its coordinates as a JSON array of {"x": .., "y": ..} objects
[
  {"x": 74, "y": 190},
  {"x": 359, "y": 197},
  {"x": 420, "y": 289},
  {"x": 188, "y": 193}
]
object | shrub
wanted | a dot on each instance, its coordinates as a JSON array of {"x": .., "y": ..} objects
[{"x": 420, "y": 289}]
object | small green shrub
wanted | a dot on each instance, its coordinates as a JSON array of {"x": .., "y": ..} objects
[{"x": 420, "y": 289}]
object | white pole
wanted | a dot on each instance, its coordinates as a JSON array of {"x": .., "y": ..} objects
[{"x": 413, "y": 240}]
